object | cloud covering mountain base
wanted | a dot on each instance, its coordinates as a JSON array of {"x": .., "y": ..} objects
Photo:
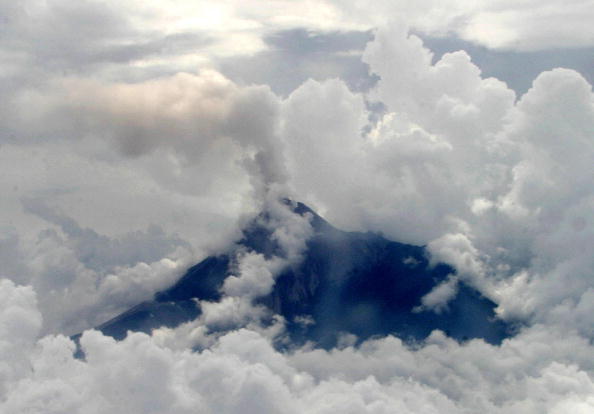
[{"x": 241, "y": 372}]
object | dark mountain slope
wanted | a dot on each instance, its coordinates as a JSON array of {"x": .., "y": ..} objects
[{"x": 347, "y": 282}]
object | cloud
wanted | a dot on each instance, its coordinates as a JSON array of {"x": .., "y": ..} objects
[
  {"x": 437, "y": 300},
  {"x": 516, "y": 69},
  {"x": 136, "y": 41},
  {"x": 20, "y": 322},
  {"x": 198, "y": 117},
  {"x": 242, "y": 371},
  {"x": 530, "y": 25},
  {"x": 87, "y": 277},
  {"x": 296, "y": 55},
  {"x": 426, "y": 155},
  {"x": 98, "y": 252}
]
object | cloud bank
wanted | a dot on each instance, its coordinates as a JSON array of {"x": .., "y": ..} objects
[{"x": 241, "y": 372}]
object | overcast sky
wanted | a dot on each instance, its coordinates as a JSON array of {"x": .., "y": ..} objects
[{"x": 137, "y": 136}]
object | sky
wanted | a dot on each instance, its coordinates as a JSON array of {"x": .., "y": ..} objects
[{"x": 137, "y": 137}]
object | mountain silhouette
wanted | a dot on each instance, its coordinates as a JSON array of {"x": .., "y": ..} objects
[{"x": 346, "y": 282}]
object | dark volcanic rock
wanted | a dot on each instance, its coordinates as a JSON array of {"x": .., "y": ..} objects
[{"x": 347, "y": 282}]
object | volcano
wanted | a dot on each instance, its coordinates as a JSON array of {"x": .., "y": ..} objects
[{"x": 346, "y": 282}]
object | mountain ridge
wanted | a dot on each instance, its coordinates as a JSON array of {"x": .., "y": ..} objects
[{"x": 347, "y": 282}]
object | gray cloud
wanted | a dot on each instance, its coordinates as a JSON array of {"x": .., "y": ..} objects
[
  {"x": 517, "y": 69},
  {"x": 87, "y": 277},
  {"x": 297, "y": 55},
  {"x": 98, "y": 252},
  {"x": 241, "y": 370}
]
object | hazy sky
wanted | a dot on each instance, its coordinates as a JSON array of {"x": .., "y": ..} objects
[{"x": 137, "y": 136}]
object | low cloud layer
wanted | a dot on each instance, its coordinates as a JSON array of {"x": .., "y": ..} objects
[
  {"x": 120, "y": 174},
  {"x": 241, "y": 372}
]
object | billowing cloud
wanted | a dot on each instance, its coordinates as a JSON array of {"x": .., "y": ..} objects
[
  {"x": 137, "y": 40},
  {"x": 86, "y": 277},
  {"x": 242, "y": 371}
]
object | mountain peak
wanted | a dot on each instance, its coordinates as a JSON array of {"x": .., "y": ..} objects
[{"x": 344, "y": 282}]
